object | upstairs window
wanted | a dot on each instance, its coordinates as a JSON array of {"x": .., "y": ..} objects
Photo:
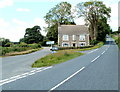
[
  {"x": 74, "y": 37},
  {"x": 65, "y": 37},
  {"x": 82, "y": 37}
]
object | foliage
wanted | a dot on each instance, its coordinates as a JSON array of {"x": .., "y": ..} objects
[
  {"x": 118, "y": 29},
  {"x": 61, "y": 13},
  {"x": 93, "y": 42},
  {"x": 92, "y": 11},
  {"x": 32, "y": 35},
  {"x": 19, "y": 48},
  {"x": 65, "y": 48},
  {"x": 117, "y": 39},
  {"x": 52, "y": 33},
  {"x": 103, "y": 29},
  {"x": 98, "y": 45},
  {"x": 5, "y": 42},
  {"x": 60, "y": 56}
]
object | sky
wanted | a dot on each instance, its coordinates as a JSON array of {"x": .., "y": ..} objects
[{"x": 17, "y": 15}]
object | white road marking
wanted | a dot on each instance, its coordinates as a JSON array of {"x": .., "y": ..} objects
[
  {"x": 95, "y": 58},
  {"x": 103, "y": 52},
  {"x": 66, "y": 79},
  {"x": 14, "y": 78}
]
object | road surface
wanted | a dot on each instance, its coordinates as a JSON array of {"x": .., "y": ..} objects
[
  {"x": 19, "y": 64},
  {"x": 97, "y": 70}
]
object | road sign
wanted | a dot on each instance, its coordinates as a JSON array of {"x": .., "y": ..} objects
[{"x": 50, "y": 42}]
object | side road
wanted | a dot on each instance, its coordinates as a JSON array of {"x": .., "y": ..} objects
[{"x": 19, "y": 64}]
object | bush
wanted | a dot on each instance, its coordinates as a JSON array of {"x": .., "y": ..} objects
[
  {"x": 93, "y": 42},
  {"x": 18, "y": 48},
  {"x": 65, "y": 48},
  {"x": 34, "y": 46}
]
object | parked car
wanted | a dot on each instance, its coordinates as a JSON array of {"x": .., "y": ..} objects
[{"x": 54, "y": 48}]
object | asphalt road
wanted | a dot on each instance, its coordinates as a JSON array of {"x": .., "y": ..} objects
[
  {"x": 19, "y": 64},
  {"x": 97, "y": 70}
]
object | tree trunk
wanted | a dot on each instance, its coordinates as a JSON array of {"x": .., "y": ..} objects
[{"x": 95, "y": 31}]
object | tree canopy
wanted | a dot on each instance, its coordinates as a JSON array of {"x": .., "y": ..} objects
[
  {"x": 104, "y": 29},
  {"x": 60, "y": 14},
  {"x": 32, "y": 35},
  {"x": 5, "y": 42},
  {"x": 93, "y": 11}
]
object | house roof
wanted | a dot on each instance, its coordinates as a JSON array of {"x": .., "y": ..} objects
[{"x": 73, "y": 29}]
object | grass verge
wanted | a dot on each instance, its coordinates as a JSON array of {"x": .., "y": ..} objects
[
  {"x": 56, "y": 58},
  {"x": 117, "y": 39},
  {"x": 62, "y": 56},
  {"x": 100, "y": 44}
]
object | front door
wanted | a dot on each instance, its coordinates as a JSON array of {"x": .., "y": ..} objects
[{"x": 73, "y": 44}]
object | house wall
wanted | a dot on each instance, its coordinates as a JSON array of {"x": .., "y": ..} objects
[{"x": 70, "y": 41}]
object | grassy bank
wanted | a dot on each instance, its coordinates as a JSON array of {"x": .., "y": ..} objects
[
  {"x": 56, "y": 58},
  {"x": 62, "y": 56},
  {"x": 117, "y": 39},
  {"x": 100, "y": 44}
]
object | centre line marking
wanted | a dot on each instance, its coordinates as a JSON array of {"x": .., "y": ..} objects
[
  {"x": 95, "y": 58},
  {"x": 103, "y": 52},
  {"x": 66, "y": 79}
]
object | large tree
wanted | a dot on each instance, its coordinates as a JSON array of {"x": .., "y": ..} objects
[
  {"x": 92, "y": 11},
  {"x": 60, "y": 14},
  {"x": 104, "y": 29},
  {"x": 32, "y": 35}
]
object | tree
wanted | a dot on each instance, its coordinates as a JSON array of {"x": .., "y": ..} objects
[
  {"x": 92, "y": 11},
  {"x": 103, "y": 28},
  {"x": 52, "y": 33},
  {"x": 118, "y": 29},
  {"x": 32, "y": 35},
  {"x": 60, "y": 14},
  {"x": 5, "y": 42}
]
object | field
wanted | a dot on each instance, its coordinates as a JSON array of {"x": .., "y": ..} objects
[{"x": 19, "y": 49}]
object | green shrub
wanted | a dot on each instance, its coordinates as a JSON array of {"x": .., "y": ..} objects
[
  {"x": 65, "y": 48},
  {"x": 18, "y": 48},
  {"x": 93, "y": 42}
]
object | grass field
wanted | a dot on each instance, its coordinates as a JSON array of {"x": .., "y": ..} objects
[{"x": 19, "y": 49}]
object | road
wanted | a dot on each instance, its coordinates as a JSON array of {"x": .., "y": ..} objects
[
  {"x": 97, "y": 70},
  {"x": 19, "y": 64}
]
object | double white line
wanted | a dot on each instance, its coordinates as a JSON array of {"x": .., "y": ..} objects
[{"x": 14, "y": 78}]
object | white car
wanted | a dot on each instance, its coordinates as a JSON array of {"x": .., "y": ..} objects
[{"x": 53, "y": 48}]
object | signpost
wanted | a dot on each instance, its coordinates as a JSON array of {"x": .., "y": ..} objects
[{"x": 50, "y": 42}]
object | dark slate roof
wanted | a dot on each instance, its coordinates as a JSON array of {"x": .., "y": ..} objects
[{"x": 73, "y": 29}]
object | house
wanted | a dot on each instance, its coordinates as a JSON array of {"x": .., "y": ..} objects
[{"x": 73, "y": 36}]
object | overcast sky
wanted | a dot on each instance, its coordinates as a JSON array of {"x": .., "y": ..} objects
[{"x": 17, "y": 15}]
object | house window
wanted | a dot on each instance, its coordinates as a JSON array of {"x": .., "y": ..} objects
[
  {"x": 65, "y": 44},
  {"x": 82, "y": 37},
  {"x": 74, "y": 37},
  {"x": 82, "y": 44},
  {"x": 65, "y": 37}
]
